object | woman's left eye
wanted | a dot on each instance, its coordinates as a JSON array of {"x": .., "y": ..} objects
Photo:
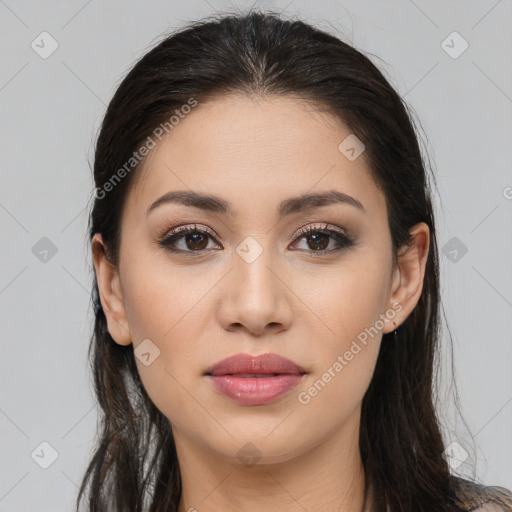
[{"x": 317, "y": 238}]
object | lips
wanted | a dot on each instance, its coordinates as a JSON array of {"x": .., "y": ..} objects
[
  {"x": 255, "y": 380},
  {"x": 245, "y": 365}
]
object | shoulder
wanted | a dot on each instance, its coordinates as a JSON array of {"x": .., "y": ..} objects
[{"x": 475, "y": 497}]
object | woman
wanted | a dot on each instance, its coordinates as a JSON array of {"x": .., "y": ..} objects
[{"x": 266, "y": 284}]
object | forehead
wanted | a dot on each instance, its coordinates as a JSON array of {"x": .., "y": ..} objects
[{"x": 254, "y": 151}]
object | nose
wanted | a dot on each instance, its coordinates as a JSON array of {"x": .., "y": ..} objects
[{"x": 256, "y": 296}]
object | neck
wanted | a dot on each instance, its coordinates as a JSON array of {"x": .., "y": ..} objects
[{"x": 329, "y": 476}]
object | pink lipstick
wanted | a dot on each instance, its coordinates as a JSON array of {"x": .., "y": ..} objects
[{"x": 255, "y": 380}]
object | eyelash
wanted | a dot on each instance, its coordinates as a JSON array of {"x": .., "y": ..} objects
[{"x": 169, "y": 237}]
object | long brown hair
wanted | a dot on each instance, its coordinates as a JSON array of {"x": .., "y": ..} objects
[{"x": 135, "y": 467}]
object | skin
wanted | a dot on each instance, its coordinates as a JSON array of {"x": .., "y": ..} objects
[{"x": 198, "y": 310}]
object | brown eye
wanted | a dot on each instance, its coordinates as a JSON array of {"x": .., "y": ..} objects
[
  {"x": 191, "y": 239},
  {"x": 197, "y": 241},
  {"x": 318, "y": 241},
  {"x": 318, "y": 238}
]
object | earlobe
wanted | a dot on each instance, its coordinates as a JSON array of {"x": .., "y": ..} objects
[
  {"x": 408, "y": 277},
  {"x": 110, "y": 293}
]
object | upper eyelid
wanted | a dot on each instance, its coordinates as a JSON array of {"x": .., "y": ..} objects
[
  {"x": 188, "y": 227},
  {"x": 320, "y": 226}
]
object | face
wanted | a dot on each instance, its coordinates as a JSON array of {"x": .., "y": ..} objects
[{"x": 260, "y": 271}]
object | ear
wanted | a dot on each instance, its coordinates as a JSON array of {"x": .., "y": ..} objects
[
  {"x": 110, "y": 293},
  {"x": 408, "y": 276}
]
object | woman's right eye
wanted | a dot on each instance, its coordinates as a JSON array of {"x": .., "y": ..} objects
[{"x": 192, "y": 239}]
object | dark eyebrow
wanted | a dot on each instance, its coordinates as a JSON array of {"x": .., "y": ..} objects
[
  {"x": 297, "y": 204},
  {"x": 309, "y": 201}
]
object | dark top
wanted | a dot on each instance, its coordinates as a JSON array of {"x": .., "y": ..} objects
[
  {"x": 480, "y": 498},
  {"x": 470, "y": 497}
]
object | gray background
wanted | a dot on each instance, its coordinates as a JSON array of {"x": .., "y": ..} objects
[{"x": 51, "y": 109}]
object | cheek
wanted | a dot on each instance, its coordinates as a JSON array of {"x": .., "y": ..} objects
[
  {"x": 344, "y": 300},
  {"x": 168, "y": 306},
  {"x": 345, "y": 310},
  {"x": 161, "y": 300},
  {"x": 347, "y": 347}
]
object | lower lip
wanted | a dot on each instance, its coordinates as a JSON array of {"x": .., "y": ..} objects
[{"x": 255, "y": 390}]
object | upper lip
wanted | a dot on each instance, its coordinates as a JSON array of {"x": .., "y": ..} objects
[{"x": 261, "y": 364}]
